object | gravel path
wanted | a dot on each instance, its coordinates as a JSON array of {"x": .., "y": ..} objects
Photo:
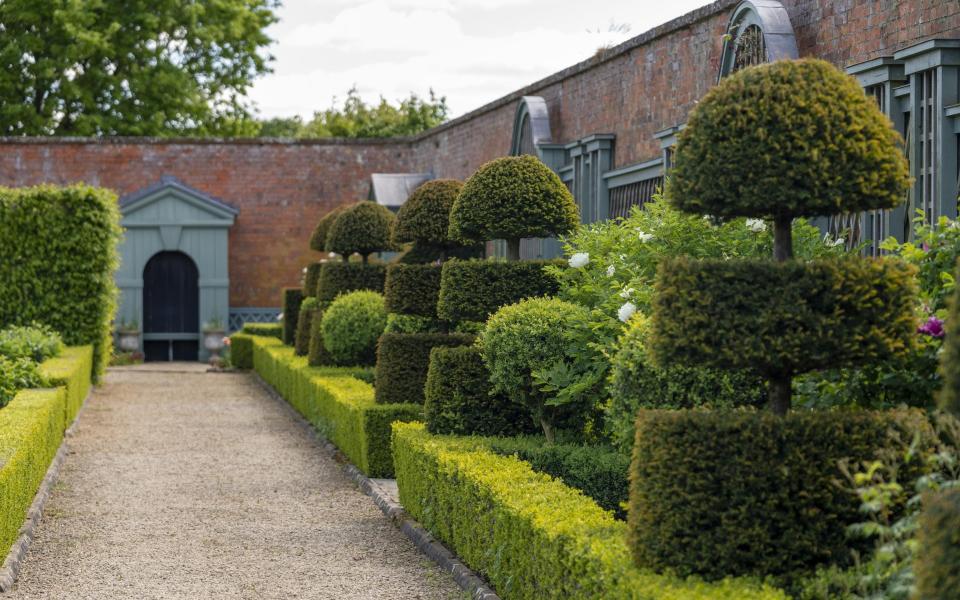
[{"x": 199, "y": 485}]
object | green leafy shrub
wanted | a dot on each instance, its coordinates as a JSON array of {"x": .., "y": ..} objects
[
  {"x": 597, "y": 471},
  {"x": 413, "y": 289},
  {"x": 318, "y": 239},
  {"x": 266, "y": 329},
  {"x": 311, "y": 276},
  {"x": 337, "y": 403},
  {"x": 58, "y": 254},
  {"x": 734, "y": 493},
  {"x": 937, "y": 565},
  {"x": 550, "y": 540},
  {"x": 292, "y": 297},
  {"x": 398, "y": 323},
  {"x": 309, "y": 309},
  {"x": 793, "y": 317},
  {"x": 402, "y": 361},
  {"x": 473, "y": 290},
  {"x": 362, "y": 228},
  {"x": 35, "y": 341},
  {"x": 458, "y": 398},
  {"x": 511, "y": 198},
  {"x": 17, "y": 373},
  {"x": 807, "y": 141},
  {"x": 950, "y": 358},
  {"x": 524, "y": 340},
  {"x": 351, "y": 326},
  {"x": 636, "y": 383},
  {"x": 241, "y": 350},
  {"x": 425, "y": 217},
  {"x": 317, "y": 355},
  {"x": 340, "y": 278}
]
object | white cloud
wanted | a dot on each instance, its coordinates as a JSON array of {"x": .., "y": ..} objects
[{"x": 472, "y": 51}]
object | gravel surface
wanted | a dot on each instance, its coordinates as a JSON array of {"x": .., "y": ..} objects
[{"x": 199, "y": 485}]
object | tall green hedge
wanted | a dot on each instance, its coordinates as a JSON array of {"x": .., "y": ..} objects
[
  {"x": 949, "y": 399},
  {"x": 402, "y": 362},
  {"x": 292, "y": 298},
  {"x": 309, "y": 309},
  {"x": 339, "y": 278},
  {"x": 413, "y": 289},
  {"x": 58, "y": 254},
  {"x": 472, "y": 290},
  {"x": 937, "y": 565},
  {"x": 310, "y": 279},
  {"x": 719, "y": 493}
]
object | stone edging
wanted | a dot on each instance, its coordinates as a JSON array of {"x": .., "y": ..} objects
[
  {"x": 18, "y": 552},
  {"x": 438, "y": 553}
]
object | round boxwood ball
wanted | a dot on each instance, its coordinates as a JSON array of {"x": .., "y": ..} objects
[
  {"x": 511, "y": 198},
  {"x": 425, "y": 217},
  {"x": 318, "y": 241},
  {"x": 363, "y": 228},
  {"x": 351, "y": 326},
  {"x": 787, "y": 139}
]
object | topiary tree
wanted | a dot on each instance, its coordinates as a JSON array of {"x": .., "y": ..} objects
[
  {"x": 318, "y": 240},
  {"x": 780, "y": 141},
  {"x": 351, "y": 327},
  {"x": 361, "y": 228},
  {"x": 424, "y": 218},
  {"x": 949, "y": 398},
  {"x": 937, "y": 564},
  {"x": 511, "y": 198},
  {"x": 526, "y": 339}
]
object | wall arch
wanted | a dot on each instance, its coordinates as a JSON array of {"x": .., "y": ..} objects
[{"x": 758, "y": 21}]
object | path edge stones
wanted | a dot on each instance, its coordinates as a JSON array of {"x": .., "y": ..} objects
[
  {"x": 18, "y": 552},
  {"x": 465, "y": 578}
]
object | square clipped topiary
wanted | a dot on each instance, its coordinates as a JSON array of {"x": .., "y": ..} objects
[
  {"x": 937, "y": 565},
  {"x": 457, "y": 398},
  {"x": 310, "y": 279},
  {"x": 341, "y": 277},
  {"x": 720, "y": 493},
  {"x": 413, "y": 289},
  {"x": 472, "y": 290},
  {"x": 402, "y": 361},
  {"x": 308, "y": 310},
  {"x": 292, "y": 297}
]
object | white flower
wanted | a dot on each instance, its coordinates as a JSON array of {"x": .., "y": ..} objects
[
  {"x": 626, "y": 311},
  {"x": 626, "y": 293},
  {"x": 332, "y": 255},
  {"x": 611, "y": 270},
  {"x": 644, "y": 236},
  {"x": 756, "y": 225},
  {"x": 622, "y": 257},
  {"x": 280, "y": 317},
  {"x": 580, "y": 259},
  {"x": 833, "y": 243},
  {"x": 304, "y": 270}
]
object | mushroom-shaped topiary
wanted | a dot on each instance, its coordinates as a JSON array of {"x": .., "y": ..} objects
[
  {"x": 425, "y": 217},
  {"x": 362, "y": 228},
  {"x": 318, "y": 240},
  {"x": 783, "y": 140},
  {"x": 511, "y": 198}
]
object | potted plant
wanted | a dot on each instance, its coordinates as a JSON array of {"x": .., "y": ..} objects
[
  {"x": 128, "y": 336},
  {"x": 214, "y": 333}
]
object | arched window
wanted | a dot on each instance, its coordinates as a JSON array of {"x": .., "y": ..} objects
[{"x": 759, "y": 32}]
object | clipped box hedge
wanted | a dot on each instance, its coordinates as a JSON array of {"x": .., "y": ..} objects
[
  {"x": 58, "y": 254},
  {"x": 412, "y": 289},
  {"x": 337, "y": 403},
  {"x": 457, "y": 398},
  {"x": 719, "y": 493},
  {"x": 531, "y": 536},
  {"x": 937, "y": 563},
  {"x": 472, "y": 290},
  {"x": 292, "y": 298},
  {"x": 403, "y": 360},
  {"x": 787, "y": 317},
  {"x": 339, "y": 277},
  {"x": 31, "y": 429},
  {"x": 267, "y": 329},
  {"x": 310, "y": 279},
  {"x": 241, "y": 344}
]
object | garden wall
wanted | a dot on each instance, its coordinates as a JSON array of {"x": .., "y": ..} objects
[{"x": 645, "y": 85}]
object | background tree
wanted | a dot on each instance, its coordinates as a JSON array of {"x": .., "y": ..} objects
[{"x": 130, "y": 67}]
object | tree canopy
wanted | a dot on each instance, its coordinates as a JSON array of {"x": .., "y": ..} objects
[{"x": 131, "y": 67}]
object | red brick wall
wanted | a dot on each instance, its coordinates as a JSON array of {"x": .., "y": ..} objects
[
  {"x": 645, "y": 85},
  {"x": 281, "y": 189}
]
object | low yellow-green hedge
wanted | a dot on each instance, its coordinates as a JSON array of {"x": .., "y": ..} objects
[
  {"x": 336, "y": 402},
  {"x": 528, "y": 534},
  {"x": 31, "y": 429}
]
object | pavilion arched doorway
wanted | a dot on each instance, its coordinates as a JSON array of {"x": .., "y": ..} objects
[{"x": 171, "y": 308}]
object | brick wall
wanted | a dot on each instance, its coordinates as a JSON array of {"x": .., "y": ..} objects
[{"x": 645, "y": 85}]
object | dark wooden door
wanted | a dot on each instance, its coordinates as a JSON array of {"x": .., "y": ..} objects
[{"x": 171, "y": 307}]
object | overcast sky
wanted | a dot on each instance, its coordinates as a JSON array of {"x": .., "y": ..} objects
[{"x": 471, "y": 51}]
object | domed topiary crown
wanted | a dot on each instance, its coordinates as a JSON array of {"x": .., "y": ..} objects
[
  {"x": 362, "y": 228},
  {"x": 510, "y": 198},
  {"x": 425, "y": 217},
  {"x": 318, "y": 241},
  {"x": 787, "y": 139}
]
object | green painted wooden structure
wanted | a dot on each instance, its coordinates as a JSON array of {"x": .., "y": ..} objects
[{"x": 173, "y": 217}]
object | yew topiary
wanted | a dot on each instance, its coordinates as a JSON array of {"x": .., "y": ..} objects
[
  {"x": 949, "y": 398},
  {"x": 362, "y": 228},
  {"x": 425, "y": 217},
  {"x": 779, "y": 141},
  {"x": 318, "y": 240},
  {"x": 511, "y": 198}
]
